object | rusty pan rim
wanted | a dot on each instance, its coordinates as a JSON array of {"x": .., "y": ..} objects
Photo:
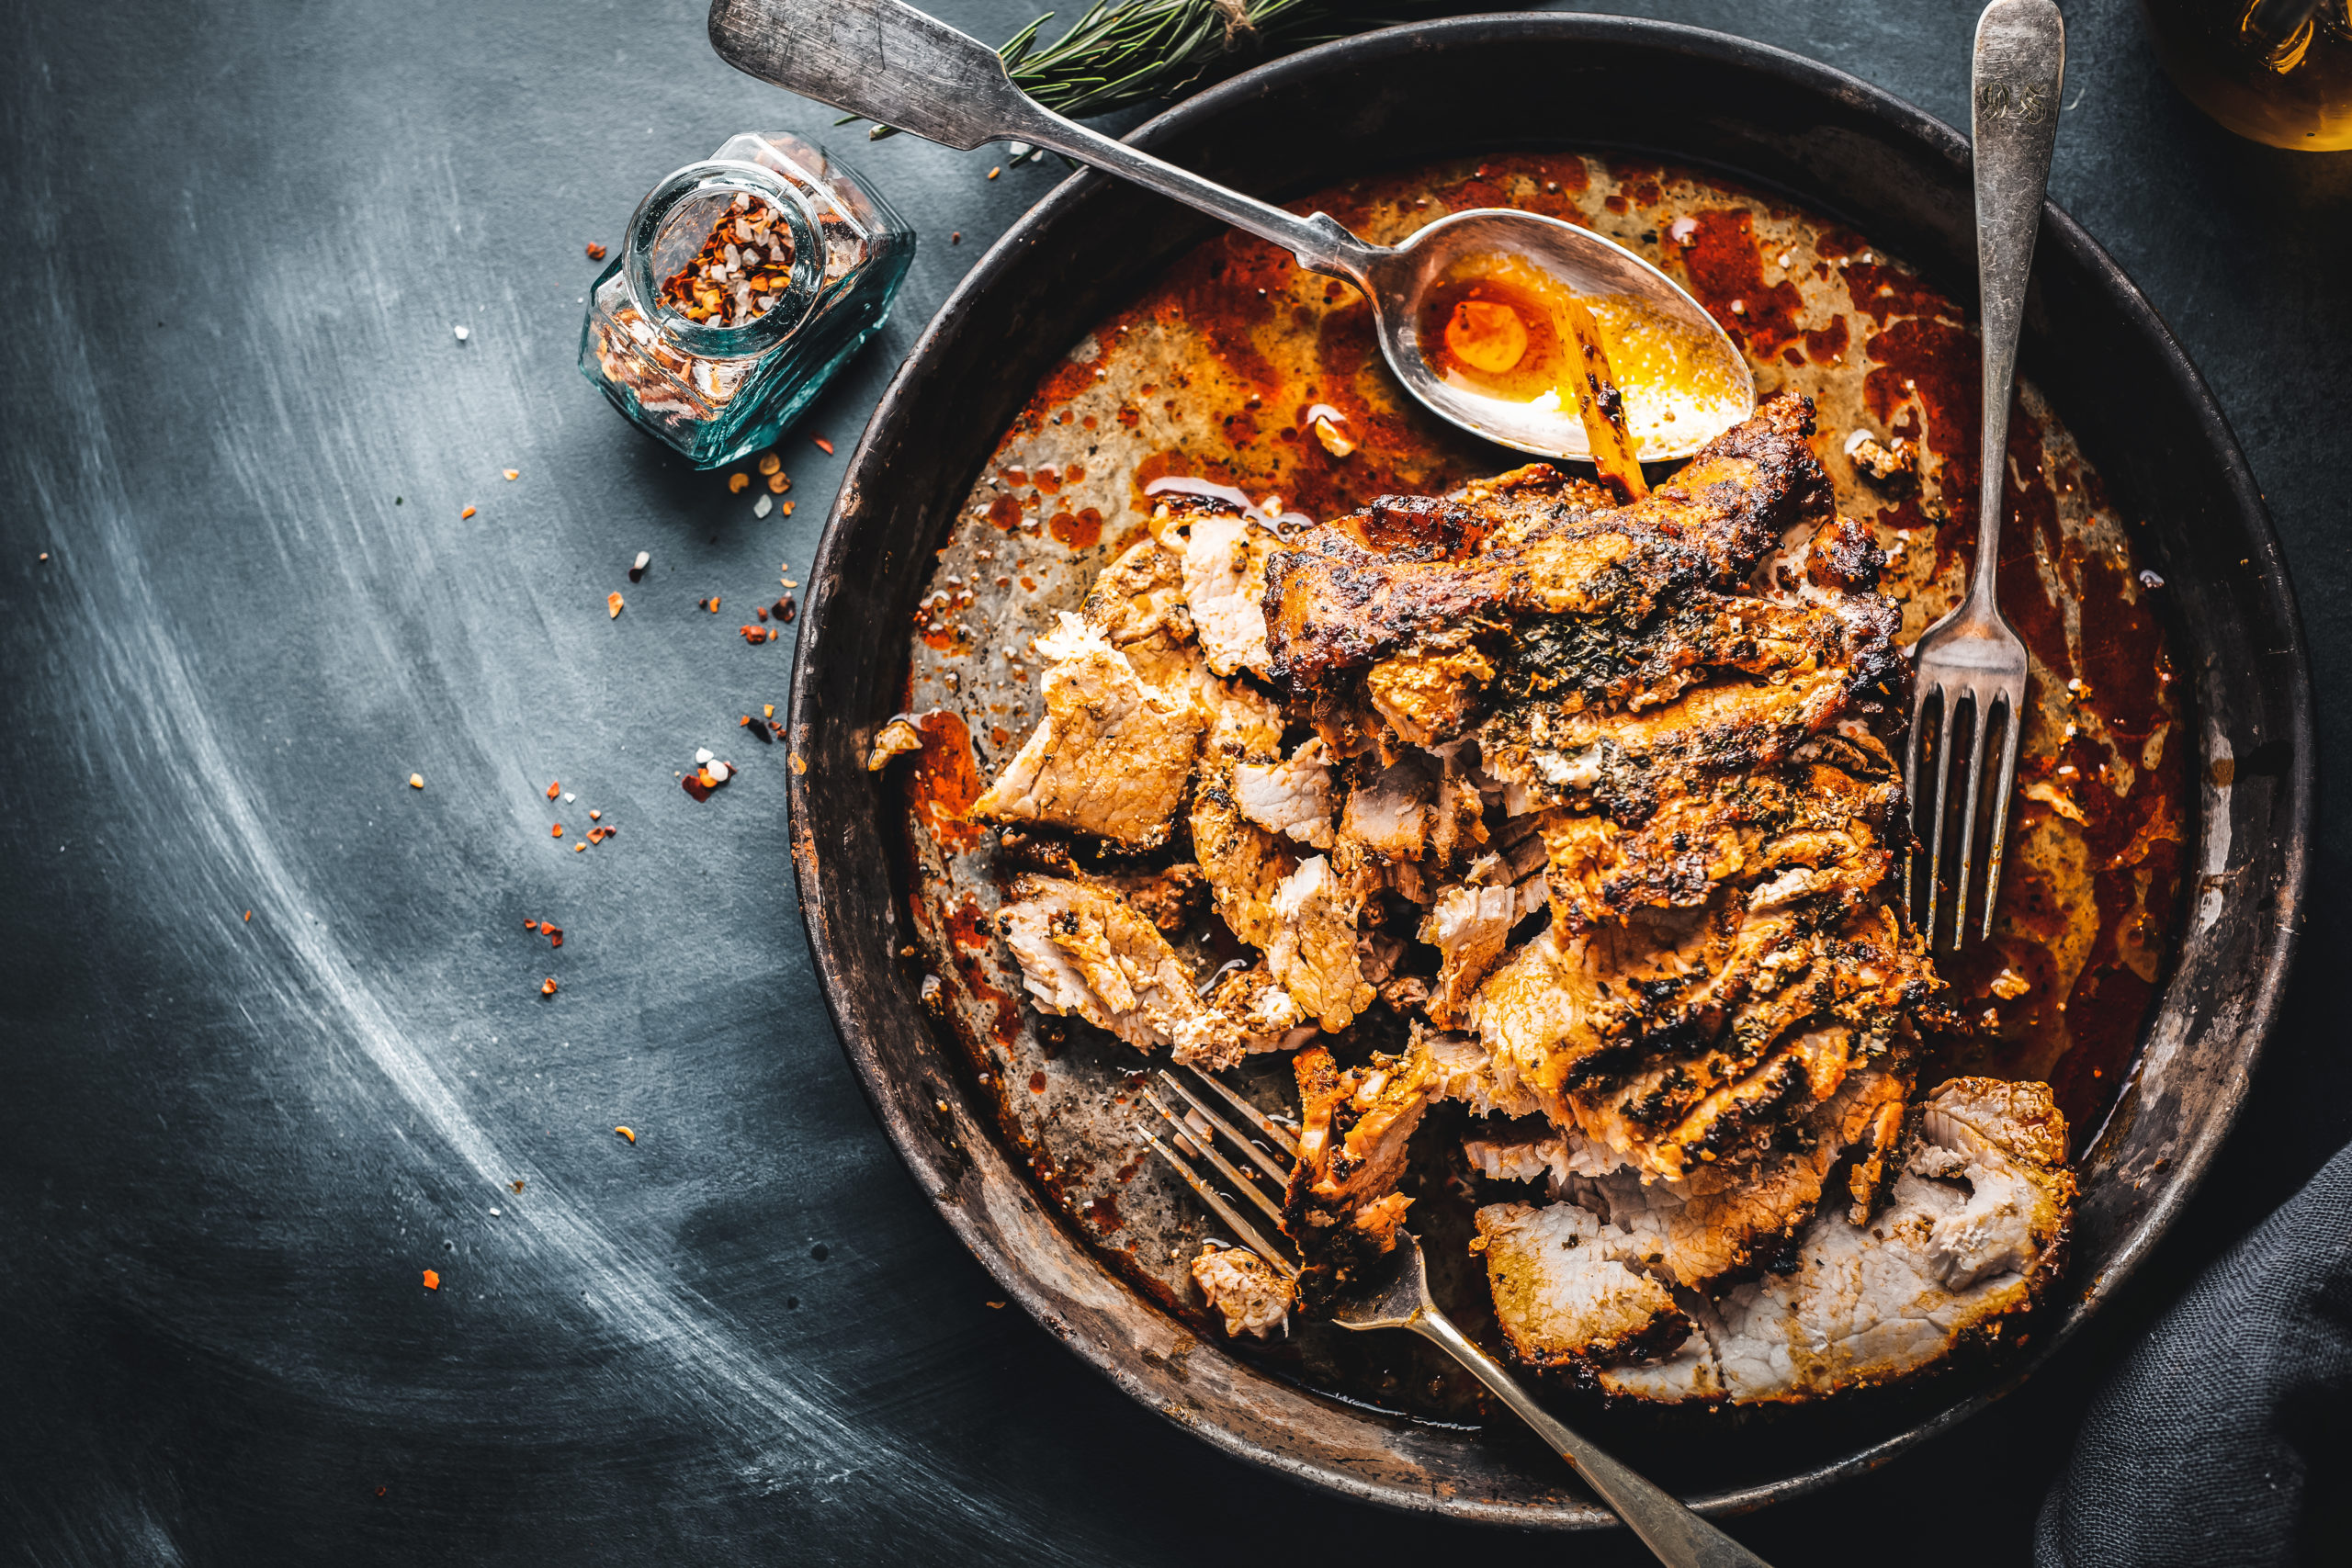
[{"x": 832, "y": 830}]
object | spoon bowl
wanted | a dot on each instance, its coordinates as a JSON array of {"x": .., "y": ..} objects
[{"x": 1668, "y": 420}]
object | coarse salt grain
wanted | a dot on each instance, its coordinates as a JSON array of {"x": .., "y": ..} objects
[
  {"x": 765, "y": 504},
  {"x": 644, "y": 558},
  {"x": 717, "y": 773},
  {"x": 569, "y": 797},
  {"x": 702, "y": 755},
  {"x": 462, "y": 333}
]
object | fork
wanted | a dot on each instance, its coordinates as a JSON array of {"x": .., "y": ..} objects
[
  {"x": 1396, "y": 1295},
  {"x": 1972, "y": 659}
]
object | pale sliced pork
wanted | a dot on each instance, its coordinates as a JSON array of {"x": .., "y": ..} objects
[{"x": 1112, "y": 757}]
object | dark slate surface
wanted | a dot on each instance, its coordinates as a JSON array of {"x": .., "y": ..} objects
[{"x": 236, "y": 417}]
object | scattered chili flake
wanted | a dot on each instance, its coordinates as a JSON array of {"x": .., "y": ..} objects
[
  {"x": 956, "y": 238},
  {"x": 998, "y": 170},
  {"x": 613, "y": 605},
  {"x": 595, "y": 835},
  {"x": 516, "y": 1186},
  {"x": 767, "y": 710},
  {"x": 530, "y": 925},
  {"x": 714, "y": 603},
  {"x": 432, "y": 1283},
  {"x": 546, "y": 987},
  {"x": 469, "y": 512},
  {"x": 554, "y": 936},
  {"x": 785, "y": 508},
  {"x": 556, "y": 831},
  {"x": 755, "y": 635},
  {"x": 770, "y": 463},
  {"x": 737, "y": 484},
  {"x": 555, "y": 787},
  {"x": 511, "y": 474},
  {"x": 249, "y": 915},
  {"x": 594, "y": 815},
  {"x": 626, "y": 1132},
  {"x": 416, "y": 780},
  {"x": 788, "y": 609},
  {"x": 761, "y": 611},
  {"x": 580, "y": 849},
  {"x": 822, "y": 445},
  {"x": 612, "y": 832},
  {"x": 379, "y": 1491},
  {"x": 595, "y": 252}
]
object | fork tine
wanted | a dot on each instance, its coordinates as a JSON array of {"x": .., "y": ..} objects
[
  {"x": 1914, "y": 754},
  {"x": 2004, "y": 785},
  {"x": 1223, "y": 1166},
  {"x": 1981, "y": 708},
  {"x": 1279, "y": 1135},
  {"x": 1225, "y": 1211},
  {"x": 1946, "y": 727},
  {"x": 1258, "y": 1156}
]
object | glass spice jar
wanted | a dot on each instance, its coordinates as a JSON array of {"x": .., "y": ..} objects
[{"x": 744, "y": 283}]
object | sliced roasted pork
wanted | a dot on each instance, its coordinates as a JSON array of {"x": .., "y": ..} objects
[
  {"x": 1314, "y": 952},
  {"x": 1292, "y": 797},
  {"x": 1973, "y": 1233},
  {"x": 1225, "y": 590},
  {"x": 1343, "y": 1207},
  {"x": 1255, "y": 1300},
  {"x": 1085, "y": 951},
  {"x": 1112, "y": 757},
  {"x": 1347, "y": 602},
  {"x": 1469, "y": 926},
  {"x": 1565, "y": 1292}
]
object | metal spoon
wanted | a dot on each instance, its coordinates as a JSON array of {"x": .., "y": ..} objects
[{"x": 894, "y": 64}]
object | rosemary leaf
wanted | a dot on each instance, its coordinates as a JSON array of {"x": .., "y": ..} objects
[{"x": 1125, "y": 52}]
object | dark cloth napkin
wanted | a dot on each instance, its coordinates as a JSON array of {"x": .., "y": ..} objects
[{"x": 2226, "y": 1438}]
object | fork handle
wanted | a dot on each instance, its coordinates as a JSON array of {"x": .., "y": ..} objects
[
  {"x": 1679, "y": 1538},
  {"x": 888, "y": 62},
  {"x": 2020, "y": 68}
]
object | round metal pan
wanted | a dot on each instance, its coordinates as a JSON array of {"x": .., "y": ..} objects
[{"x": 1772, "y": 119}]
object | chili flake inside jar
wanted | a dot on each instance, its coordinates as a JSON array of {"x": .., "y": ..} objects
[{"x": 741, "y": 270}]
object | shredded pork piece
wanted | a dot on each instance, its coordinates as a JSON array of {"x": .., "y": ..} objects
[
  {"x": 1243, "y": 1286},
  {"x": 1113, "y": 756}
]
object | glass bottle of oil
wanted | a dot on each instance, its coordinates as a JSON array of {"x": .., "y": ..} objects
[{"x": 2278, "y": 71}]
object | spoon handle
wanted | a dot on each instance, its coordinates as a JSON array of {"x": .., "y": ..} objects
[
  {"x": 2021, "y": 65},
  {"x": 899, "y": 66},
  {"x": 1679, "y": 1538}
]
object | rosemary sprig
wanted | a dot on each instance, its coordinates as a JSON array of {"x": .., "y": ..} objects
[{"x": 1123, "y": 52}]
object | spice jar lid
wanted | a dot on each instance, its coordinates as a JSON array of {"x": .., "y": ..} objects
[{"x": 679, "y": 217}]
